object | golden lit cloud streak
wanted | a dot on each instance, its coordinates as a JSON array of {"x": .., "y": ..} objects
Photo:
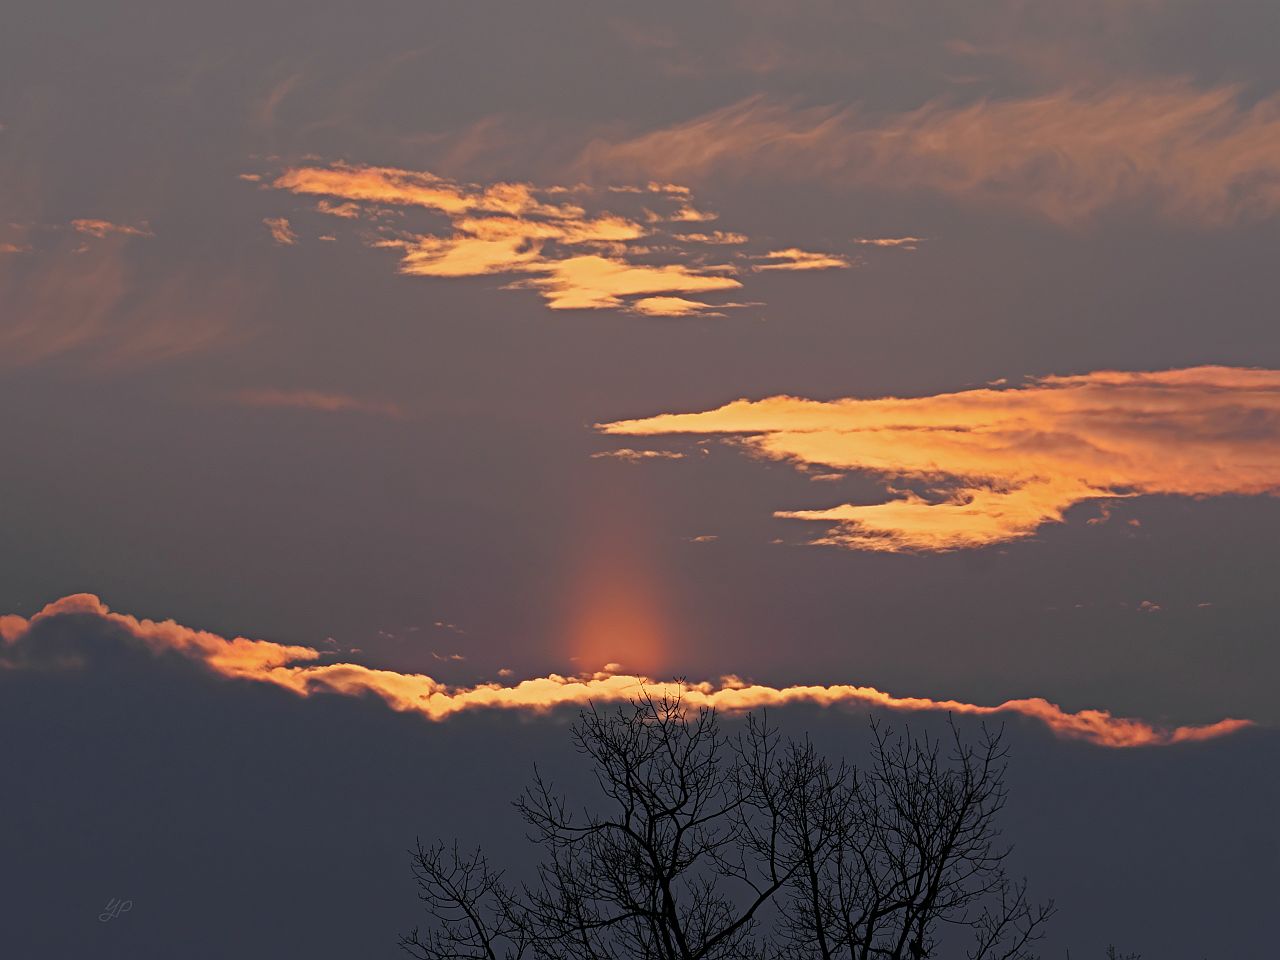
[
  {"x": 637, "y": 262},
  {"x": 295, "y": 668},
  {"x": 996, "y": 464},
  {"x": 794, "y": 258},
  {"x": 593, "y": 282},
  {"x": 396, "y": 187},
  {"x": 1202, "y": 155}
]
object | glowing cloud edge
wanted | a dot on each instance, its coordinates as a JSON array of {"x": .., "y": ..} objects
[{"x": 295, "y": 668}]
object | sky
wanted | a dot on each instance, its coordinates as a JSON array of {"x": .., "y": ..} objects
[{"x": 381, "y": 383}]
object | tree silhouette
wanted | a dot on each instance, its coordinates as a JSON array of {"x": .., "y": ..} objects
[{"x": 705, "y": 846}]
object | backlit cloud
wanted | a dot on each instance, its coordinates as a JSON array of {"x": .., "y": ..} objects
[
  {"x": 1203, "y": 155},
  {"x": 617, "y": 248},
  {"x": 991, "y": 465},
  {"x": 297, "y": 668}
]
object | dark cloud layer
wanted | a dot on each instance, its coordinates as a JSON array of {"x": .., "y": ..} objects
[{"x": 247, "y": 813}]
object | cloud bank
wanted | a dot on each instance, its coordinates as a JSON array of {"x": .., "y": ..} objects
[
  {"x": 993, "y": 465},
  {"x": 296, "y": 668}
]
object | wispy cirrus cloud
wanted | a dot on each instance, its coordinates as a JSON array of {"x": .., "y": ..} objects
[
  {"x": 317, "y": 400},
  {"x": 297, "y": 668},
  {"x": 1208, "y": 156},
  {"x": 988, "y": 466},
  {"x": 80, "y": 292},
  {"x": 582, "y": 248}
]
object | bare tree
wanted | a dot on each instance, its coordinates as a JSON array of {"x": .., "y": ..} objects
[
  {"x": 917, "y": 851},
  {"x": 710, "y": 847}
]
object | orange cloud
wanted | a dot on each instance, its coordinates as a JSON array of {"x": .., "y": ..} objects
[
  {"x": 1207, "y": 156},
  {"x": 281, "y": 232},
  {"x": 593, "y": 282},
  {"x": 637, "y": 456},
  {"x": 574, "y": 258},
  {"x": 795, "y": 259},
  {"x": 103, "y": 228},
  {"x": 672, "y": 307},
  {"x": 316, "y": 400},
  {"x": 718, "y": 237},
  {"x": 690, "y": 214},
  {"x": 995, "y": 464},
  {"x": 905, "y": 243},
  {"x": 348, "y": 211},
  {"x": 396, "y": 187},
  {"x": 296, "y": 668}
]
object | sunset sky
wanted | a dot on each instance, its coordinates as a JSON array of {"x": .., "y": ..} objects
[{"x": 380, "y": 382}]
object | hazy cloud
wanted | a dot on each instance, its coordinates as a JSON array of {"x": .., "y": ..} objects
[
  {"x": 317, "y": 400},
  {"x": 93, "y": 301},
  {"x": 1203, "y": 155}
]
